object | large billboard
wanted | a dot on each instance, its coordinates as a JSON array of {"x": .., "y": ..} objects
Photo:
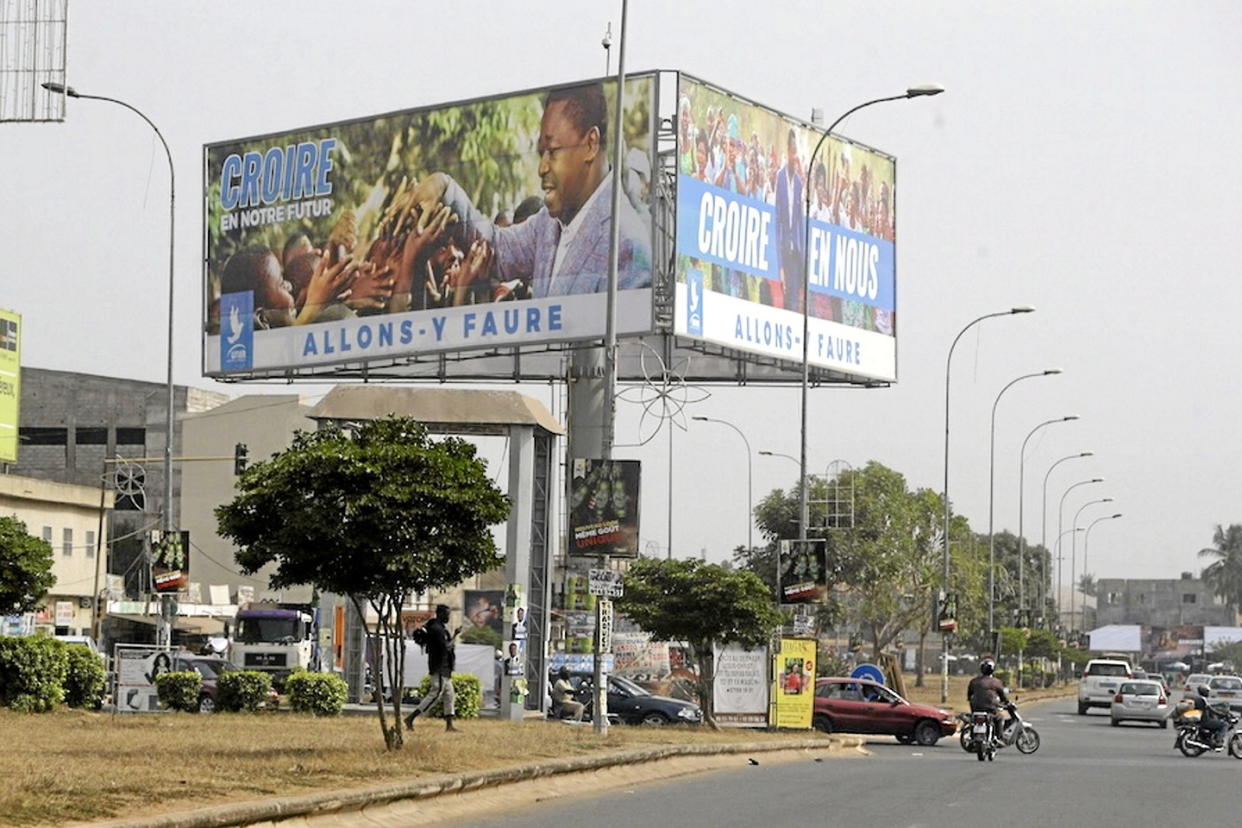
[
  {"x": 743, "y": 240},
  {"x": 474, "y": 226},
  {"x": 10, "y": 383}
]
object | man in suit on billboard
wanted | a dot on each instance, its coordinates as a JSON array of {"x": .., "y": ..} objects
[
  {"x": 791, "y": 224},
  {"x": 562, "y": 249}
]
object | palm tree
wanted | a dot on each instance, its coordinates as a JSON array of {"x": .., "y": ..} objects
[{"x": 1224, "y": 574}]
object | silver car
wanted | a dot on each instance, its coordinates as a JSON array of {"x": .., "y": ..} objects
[
  {"x": 1226, "y": 689},
  {"x": 1140, "y": 701}
]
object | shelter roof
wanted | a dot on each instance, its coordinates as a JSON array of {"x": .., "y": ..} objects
[{"x": 447, "y": 410}]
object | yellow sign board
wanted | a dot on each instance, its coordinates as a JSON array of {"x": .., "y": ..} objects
[
  {"x": 10, "y": 383},
  {"x": 794, "y": 686}
]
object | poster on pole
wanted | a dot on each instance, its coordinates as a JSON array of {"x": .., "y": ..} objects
[
  {"x": 794, "y": 687},
  {"x": 10, "y": 383},
  {"x": 603, "y": 517},
  {"x": 170, "y": 560},
  {"x": 804, "y": 571},
  {"x": 740, "y": 688}
]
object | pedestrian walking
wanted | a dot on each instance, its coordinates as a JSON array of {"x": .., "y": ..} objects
[{"x": 441, "y": 656}]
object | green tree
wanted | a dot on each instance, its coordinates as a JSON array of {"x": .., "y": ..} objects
[
  {"x": 1224, "y": 573},
  {"x": 1042, "y": 644},
  {"x": 701, "y": 604},
  {"x": 25, "y": 568},
  {"x": 377, "y": 515}
]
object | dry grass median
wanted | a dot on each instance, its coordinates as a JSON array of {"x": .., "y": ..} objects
[{"x": 71, "y": 765}]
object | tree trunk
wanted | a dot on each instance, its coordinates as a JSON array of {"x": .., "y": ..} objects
[
  {"x": 706, "y": 681},
  {"x": 918, "y": 659}
]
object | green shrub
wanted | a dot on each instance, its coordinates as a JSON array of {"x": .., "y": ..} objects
[
  {"x": 242, "y": 690},
  {"x": 320, "y": 693},
  {"x": 32, "y": 673},
  {"x": 85, "y": 679},
  {"x": 179, "y": 691},
  {"x": 1004, "y": 676},
  {"x": 467, "y": 695}
]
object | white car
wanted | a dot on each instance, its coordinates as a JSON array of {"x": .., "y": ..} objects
[
  {"x": 1140, "y": 701},
  {"x": 1193, "y": 682},
  {"x": 1226, "y": 689},
  {"x": 1100, "y": 680}
]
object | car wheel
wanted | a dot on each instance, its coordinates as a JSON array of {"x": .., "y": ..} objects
[
  {"x": 1082, "y": 709},
  {"x": 1116, "y": 722},
  {"x": 1164, "y": 724},
  {"x": 927, "y": 733},
  {"x": 904, "y": 738},
  {"x": 655, "y": 719},
  {"x": 822, "y": 723},
  {"x": 206, "y": 704}
]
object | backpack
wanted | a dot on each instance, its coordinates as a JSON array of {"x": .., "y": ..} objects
[{"x": 420, "y": 636}]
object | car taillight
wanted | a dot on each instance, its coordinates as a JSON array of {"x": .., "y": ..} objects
[
  {"x": 1163, "y": 700},
  {"x": 1117, "y": 698},
  {"x": 1129, "y": 675}
]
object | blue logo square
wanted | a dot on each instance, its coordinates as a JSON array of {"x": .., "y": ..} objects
[
  {"x": 237, "y": 331},
  {"x": 694, "y": 302}
]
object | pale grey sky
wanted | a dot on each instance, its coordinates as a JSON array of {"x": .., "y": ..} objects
[{"x": 1083, "y": 161}]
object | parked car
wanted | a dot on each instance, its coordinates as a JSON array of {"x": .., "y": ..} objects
[
  {"x": 851, "y": 705},
  {"x": 1227, "y": 689},
  {"x": 1100, "y": 680},
  {"x": 1140, "y": 700},
  {"x": 633, "y": 704},
  {"x": 211, "y": 668}
]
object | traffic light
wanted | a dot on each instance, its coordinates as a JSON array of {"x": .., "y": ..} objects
[{"x": 240, "y": 452}]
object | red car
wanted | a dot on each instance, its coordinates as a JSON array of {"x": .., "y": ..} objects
[{"x": 851, "y": 705}]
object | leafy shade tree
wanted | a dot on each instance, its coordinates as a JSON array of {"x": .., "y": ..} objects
[
  {"x": 1086, "y": 583},
  {"x": 378, "y": 516},
  {"x": 701, "y": 604},
  {"x": 1224, "y": 573},
  {"x": 1042, "y": 644},
  {"x": 25, "y": 568}
]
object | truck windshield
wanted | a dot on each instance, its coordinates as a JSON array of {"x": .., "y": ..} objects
[{"x": 275, "y": 630}]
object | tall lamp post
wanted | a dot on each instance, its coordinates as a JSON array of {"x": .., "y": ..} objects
[
  {"x": 948, "y": 365},
  {"x": 1022, "y": 509},
  {"x": 1058, "y": 544},
  {"x": 1060, "y": 526},
  {"x": 1043, "y": 534},
  {"x": 1074, "y": 552},
  {"x": 62, "y": 89},
  {"x": 1086, "y": 540},
  {"x": 750, "y": 519},
  {"x": 992, "y": 497},
  {"x": 789, "y": 457},
  {"x": 921, "y": 91}
]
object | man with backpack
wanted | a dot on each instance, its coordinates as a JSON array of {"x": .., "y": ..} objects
[{"x": 434, "y": 637}]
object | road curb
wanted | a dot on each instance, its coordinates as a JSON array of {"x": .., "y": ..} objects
[{"x": 284, "y": 807}]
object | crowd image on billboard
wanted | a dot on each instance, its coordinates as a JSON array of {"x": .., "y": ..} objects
[
  {"x": 742, "y": 178},
  {"x": 604, "y": 507},
  {"x": 448, "y": 228}
]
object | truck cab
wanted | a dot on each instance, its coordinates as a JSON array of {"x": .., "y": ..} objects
[{"x": 271, "y": 640}]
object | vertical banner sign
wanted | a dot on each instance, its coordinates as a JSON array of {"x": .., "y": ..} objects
[
  {"x": 743, "y": 241},
  {"x": 603, "y": 513},
  {"x": 515, "y": 626},
  {"x": 10, "y": 383},
  {"x": 741, "y": 686},
  {"x": 804, "y": 571},
  {"x": 428, "y": 231},
  {"x": 170, "y": 560},
  {"x": 794, "y": 688}
]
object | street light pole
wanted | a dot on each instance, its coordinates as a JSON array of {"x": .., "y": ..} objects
[
  {"x": 948, "y": 364},
  {"x": 1059, "y": 537},
  {"x": 1074, "y": 552},
  {"x": 924, "y": 90},
  {"x": 1086, "y": 540},
  {"x": 750, "y": 492},
  {"x": 992, "y": 497},
  {"x": 169, "y": 419},
  {"x": 1043, "y": 536},
  {"x": 1022, "y": 505},
  {"x": 788, "y": 457},
  {"x": 1060, "y": 526}
]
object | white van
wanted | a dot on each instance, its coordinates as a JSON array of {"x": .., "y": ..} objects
[{"x": 1100, "y": 680}]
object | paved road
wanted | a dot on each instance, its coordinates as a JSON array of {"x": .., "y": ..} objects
[{"x": 1086, "y": 773}]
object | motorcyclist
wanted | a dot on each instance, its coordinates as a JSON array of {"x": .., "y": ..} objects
[
  {"x": 986, "y": 693},
  {"x": 1210, "y": 719}
]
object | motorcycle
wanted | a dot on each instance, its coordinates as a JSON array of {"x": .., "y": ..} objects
[
  {"x": 1193, "y": 740},
  {"x": 1013, "y": 731}
]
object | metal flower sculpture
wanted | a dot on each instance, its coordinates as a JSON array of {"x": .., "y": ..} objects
[{"x": 663, "y": 395}]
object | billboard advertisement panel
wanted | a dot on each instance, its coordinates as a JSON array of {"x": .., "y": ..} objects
[
  {"x": 793, "y": 667},
  {"x": 170, "y": 553},
  {"x": 803, "y": 571},
  {"x": 741, "y": 686},
  {"x": 743, "y": 240},
  {"x": 10, "y": 383},
  {"x": 603, "y": 516},
  {"x": 475, "y": 226}
]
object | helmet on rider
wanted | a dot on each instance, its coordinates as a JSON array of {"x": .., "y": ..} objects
[
  {"x": 987, "y": 668},
  {"x": 1204, "y": 690}
]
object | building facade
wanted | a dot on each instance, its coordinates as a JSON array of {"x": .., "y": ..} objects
[{"x": 1156, "y": 602}]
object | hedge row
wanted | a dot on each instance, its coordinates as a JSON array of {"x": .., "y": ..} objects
[{"x": 38, "y": 673}]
